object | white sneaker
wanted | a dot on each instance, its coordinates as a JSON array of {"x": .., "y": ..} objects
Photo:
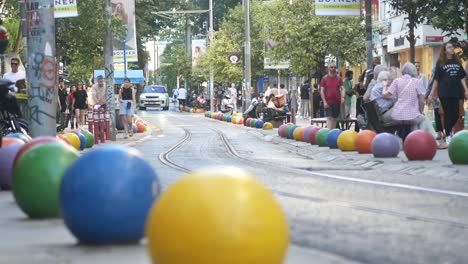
[{"x": 448, "y": 139}]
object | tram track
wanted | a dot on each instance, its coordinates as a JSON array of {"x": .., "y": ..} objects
[
  {"x": 164, "y": 156},
  {"x": 231, "y": 151}
]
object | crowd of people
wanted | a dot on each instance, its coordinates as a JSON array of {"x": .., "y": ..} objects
[
  {"x": 401, "y": 96},
  {"x": 75, "y": 100}
]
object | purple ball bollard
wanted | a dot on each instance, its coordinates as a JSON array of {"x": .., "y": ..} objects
[
  {"x": 7, "y": 157},
  {"x": 307, "y": 132},
  {"x": 385, "y": 145}
]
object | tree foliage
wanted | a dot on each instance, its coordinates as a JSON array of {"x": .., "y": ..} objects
[
  {"x": 174, "y": 64},
  {"x": 230, "y": 39},
  {"x": 416, "y": 12},
  {"x": 306, "y": 39},
  {"x": 450, "y": 16}
]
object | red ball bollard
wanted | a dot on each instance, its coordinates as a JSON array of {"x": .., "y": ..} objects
[
  {"x": 96, "y": 126},
  {"x": 90, "y": 120},
  {"x": 102, "y": 126},
  {"x": 107, "y": 116}
]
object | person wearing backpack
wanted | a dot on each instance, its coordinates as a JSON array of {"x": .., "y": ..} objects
[
  {"x": 333, "y": 95},
  {"x": 305, "y": 97}
]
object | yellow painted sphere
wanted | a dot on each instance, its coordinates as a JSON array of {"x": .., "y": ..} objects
[
  {"x": 234, "y": 119},
  {"x": 298, "y": 134},
  {"x": 267, "y": 126},
  {"x": 347, "y": 140},
  {"x": 234, "y": 113},
  {"x": 73, "y": 139},
  {"x": 217, "y": 216}
]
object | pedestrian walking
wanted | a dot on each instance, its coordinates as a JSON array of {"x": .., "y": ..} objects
[
  {"x": 127, "y": 106},
  {"x": 348, "y": 86},
  {"x": 305, "y": 99},
  {"x": 80, "y": 104},
  {"x": 450, "y": 87}
]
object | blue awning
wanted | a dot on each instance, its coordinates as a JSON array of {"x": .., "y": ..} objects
[{"x": 135, "y": 76}]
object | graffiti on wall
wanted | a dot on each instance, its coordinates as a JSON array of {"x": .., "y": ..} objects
[{"x": 41, "y": 67}]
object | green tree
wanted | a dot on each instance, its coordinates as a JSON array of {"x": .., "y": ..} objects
[
  {"x": 416, "y": 12},
  {"x": 306, "y": 39},
  {"x": 9, "y": 10},
  {"x": 230, "y": 39},
  {"x": 174, "y": 65},
  {"x": 450, "y": 16}
]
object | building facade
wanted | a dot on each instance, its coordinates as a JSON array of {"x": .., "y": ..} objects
[{"x": 391, "y": 45}]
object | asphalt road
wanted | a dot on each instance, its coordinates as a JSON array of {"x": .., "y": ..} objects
[{"x": 340, "y": 210}]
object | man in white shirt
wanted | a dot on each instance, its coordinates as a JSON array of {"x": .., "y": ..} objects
[
  {"x": 233, "y": 93},
  {"x": 98, "y": 92},
  {"x": 182, "y": 97},
  {"x": 15, "y": 74}
]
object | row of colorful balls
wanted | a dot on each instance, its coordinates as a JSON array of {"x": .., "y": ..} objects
[
  {"x": 237, "y": 119},
  {"x": 111, "y": 195},
  {"x": 418, "y": 145},
  {"x": 190, "y": 109},
  {"x": 234, "y": 118}
]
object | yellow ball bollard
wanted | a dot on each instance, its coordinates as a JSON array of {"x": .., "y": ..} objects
[
  {"x": 218, "y": 216},
  {"x": 73, "y": 139},
  {"x": 267, "y": 126},
  {"x": 347, "y": 140}
]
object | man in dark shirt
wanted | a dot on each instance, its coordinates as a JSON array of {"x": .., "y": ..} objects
[
  {"x": 62, "y": 96},
  {"x": 305, "y": 97}
]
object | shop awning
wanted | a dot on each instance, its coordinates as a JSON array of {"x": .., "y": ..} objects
[{"x": 135, "y": 76}]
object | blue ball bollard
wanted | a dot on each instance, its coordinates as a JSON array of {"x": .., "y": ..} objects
[
  {"x": 82, "y": 139},
  {"x": 291, "y": 131},
  {"x": 332, "y": 138},
  {"x": 106, "y": 195},
  {"x": 259, "y": 124}
]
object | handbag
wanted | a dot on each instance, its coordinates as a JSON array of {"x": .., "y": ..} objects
[{"x": 129, "y": 105}]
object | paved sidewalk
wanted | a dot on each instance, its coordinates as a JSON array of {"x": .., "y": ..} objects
[{"x": 440, "y": 166}]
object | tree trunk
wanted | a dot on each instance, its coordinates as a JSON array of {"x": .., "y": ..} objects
[
  {"x": 411, "y": 37},
  {"x": 19, "y": 38}
]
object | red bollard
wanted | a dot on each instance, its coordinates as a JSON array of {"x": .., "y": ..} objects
[
  {"x": 96, "y": 126},
  {"x": 102, "y": 132},
  {"x": 107, "y": 119},
  {"x": 90, "y": 120}
]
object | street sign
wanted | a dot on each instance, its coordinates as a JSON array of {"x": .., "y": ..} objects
[
  {"x": 233, "y": 58},
  {"x": 337, "y": 8},
  {"x": 65, "y": 8}
]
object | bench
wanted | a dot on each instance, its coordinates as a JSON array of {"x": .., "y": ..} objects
[{"x": 342, "y": 123}]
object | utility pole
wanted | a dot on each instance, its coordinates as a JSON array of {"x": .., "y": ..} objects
[
  {"x": 188, "y": 46},
  {"x": 212, "y": 95},
  {"x": 109, "y": 69},
  {"x": 41, "y": 67},
  {"x": 247, "y": 68},
  {"x": 155, "y": 55},
  {"x": 369, "y": 34}
]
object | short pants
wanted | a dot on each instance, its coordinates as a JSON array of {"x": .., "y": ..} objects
[
  {"x": 124, "y": 110},
  {"x": 333, "y": 110}
]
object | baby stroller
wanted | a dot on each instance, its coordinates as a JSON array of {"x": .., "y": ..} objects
[{"x": 226, "y": 105}]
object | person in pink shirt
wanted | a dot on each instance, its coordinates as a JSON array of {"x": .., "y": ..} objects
[{"x": 409, "y": 105}]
